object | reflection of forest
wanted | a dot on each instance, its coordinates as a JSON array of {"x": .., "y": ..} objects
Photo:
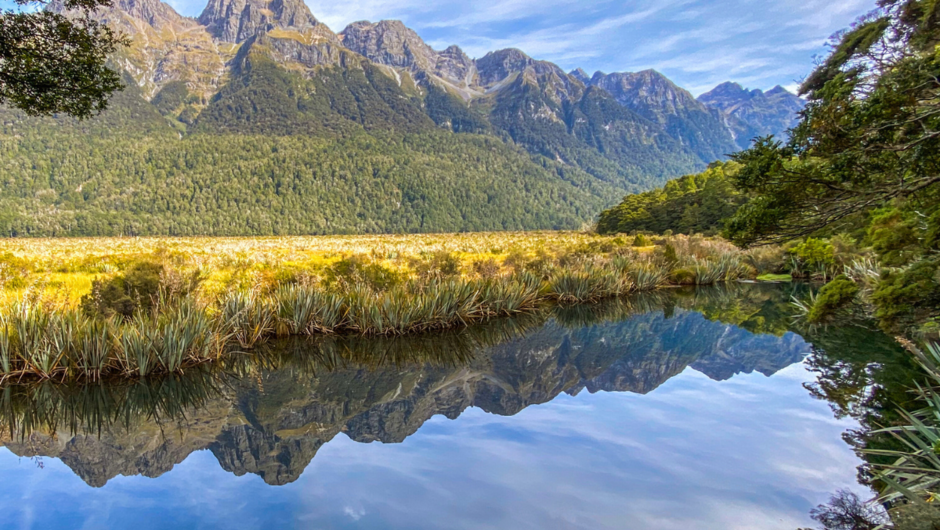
[{"x": 270, "y": 413}]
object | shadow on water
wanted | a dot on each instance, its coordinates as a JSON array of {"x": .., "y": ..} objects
[{"x": 269, "y": 412}]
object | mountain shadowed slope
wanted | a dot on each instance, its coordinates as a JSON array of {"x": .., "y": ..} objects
[
  {"x": 754, "y": 113},
  {"x": 656, "y": 98}
]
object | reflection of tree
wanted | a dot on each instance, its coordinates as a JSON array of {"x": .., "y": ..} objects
[
  {"x": 845, "y": 511},
  {"x": 863, "y": 374},
  {"x": 760, "y": 309}
]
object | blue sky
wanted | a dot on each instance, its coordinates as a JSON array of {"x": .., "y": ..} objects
[{"x": 697, "y": 43}]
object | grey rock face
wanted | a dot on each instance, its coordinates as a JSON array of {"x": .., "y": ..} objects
[
  {"x": 391, "y": 43},
  {"x": 238, "y": 20},
  {"x": 580, "y": 75}
]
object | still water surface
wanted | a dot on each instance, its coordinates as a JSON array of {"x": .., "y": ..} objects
[{"x": 676, "y": 411}]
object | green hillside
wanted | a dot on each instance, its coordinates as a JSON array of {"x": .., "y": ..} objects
[{"x": 127, "y": 172}]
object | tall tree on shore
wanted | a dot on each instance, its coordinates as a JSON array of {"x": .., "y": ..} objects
[
  {"x": 869, "y": 136},
  {"x": 52, "y": 63}
]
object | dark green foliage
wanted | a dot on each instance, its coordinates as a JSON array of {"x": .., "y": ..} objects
[
  {"x": 894, "y": 235},
  {"x": 642, "y": 241},
  {"x": 125, "y": 294},
  {"x": 50, "y": 63},
  {"x": 669, "y": 254},
  {"x": 833, "y": 296},
  {"x": 691, "y": 204},
  {"x": 868, "y": 135},
  {"x": 170, "y": 98},
  {"x": 911, "y": 294}
]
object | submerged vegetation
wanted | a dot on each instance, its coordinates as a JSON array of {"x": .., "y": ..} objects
[{"x": 95, "y": 308}]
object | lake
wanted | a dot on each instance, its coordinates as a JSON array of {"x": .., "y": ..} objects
[{"x": 688, "y": 408}]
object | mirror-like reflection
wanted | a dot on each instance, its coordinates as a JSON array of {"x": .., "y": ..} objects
[{"x": 269, "y": 414}]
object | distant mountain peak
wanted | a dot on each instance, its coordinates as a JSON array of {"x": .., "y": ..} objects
[
  {"x": 580, "y": 75},
  {"x": 752, "y": 113},
  {"x": 389, "y": 42},
  {"x": 655, "y": 97}
]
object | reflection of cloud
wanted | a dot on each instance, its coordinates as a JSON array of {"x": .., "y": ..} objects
[{"x": 750, "y": 452}]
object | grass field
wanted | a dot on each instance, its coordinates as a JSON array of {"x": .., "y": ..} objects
[{"x": 134, "y": 306}]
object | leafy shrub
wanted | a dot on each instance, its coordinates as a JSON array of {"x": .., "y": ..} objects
[
  {"x": 683, "y": 276},
  {"x": 359, "y": 269},
  {"x": 440, "y": 264},
  {"x": 814, "y": 254},
  {"x": 642, "y": 241},
  {"x": 909, "y": 294},
  {"x": 766, "y": 260},
  {"x": 894, "y": 235},
  {"x": 833, "y": 296},
  {"x": 670, "y": 256},
  {"x": 124, "y": 294}
]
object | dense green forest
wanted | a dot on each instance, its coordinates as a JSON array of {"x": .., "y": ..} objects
[
  {"x": 697, "y": 203},
  {"x": 128, "y": 172},
  {"x": 348, "y": 151},
  {"x": 252, "y": 184}
]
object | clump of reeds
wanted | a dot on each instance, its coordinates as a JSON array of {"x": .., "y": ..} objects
[{"x": 915, "y": 472}]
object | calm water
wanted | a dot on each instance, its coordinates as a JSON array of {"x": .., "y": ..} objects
[{"x": 682, "y": 410}]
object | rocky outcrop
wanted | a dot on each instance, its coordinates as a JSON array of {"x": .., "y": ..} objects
[{"x": 236, "y": 21}]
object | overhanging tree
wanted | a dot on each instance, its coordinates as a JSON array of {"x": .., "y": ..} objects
[
  {"x": 54, "y": 61},
  {"x": 869, "y": 135}
]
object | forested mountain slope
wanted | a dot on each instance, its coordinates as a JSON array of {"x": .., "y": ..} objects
[{"x": 256, "y": 118}]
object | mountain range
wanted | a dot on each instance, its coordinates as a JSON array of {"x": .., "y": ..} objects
[{"x": 379, "y": 133}]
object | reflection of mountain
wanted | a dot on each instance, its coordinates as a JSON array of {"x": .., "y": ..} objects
[{"x": 272, "y": 422}]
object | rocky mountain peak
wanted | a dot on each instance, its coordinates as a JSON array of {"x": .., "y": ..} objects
[
  {"x": 153, "y": 12},
  {"x": 648, "y": 88},
  {"x": 391, "y": 43},
  {"x": 753, "y": 113},
  {"x": 238, "y": 20},
  {"x": 580, "y": 75},
  {"x": 726, "y": 95},
  {"x": 498, "y": 65}
]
